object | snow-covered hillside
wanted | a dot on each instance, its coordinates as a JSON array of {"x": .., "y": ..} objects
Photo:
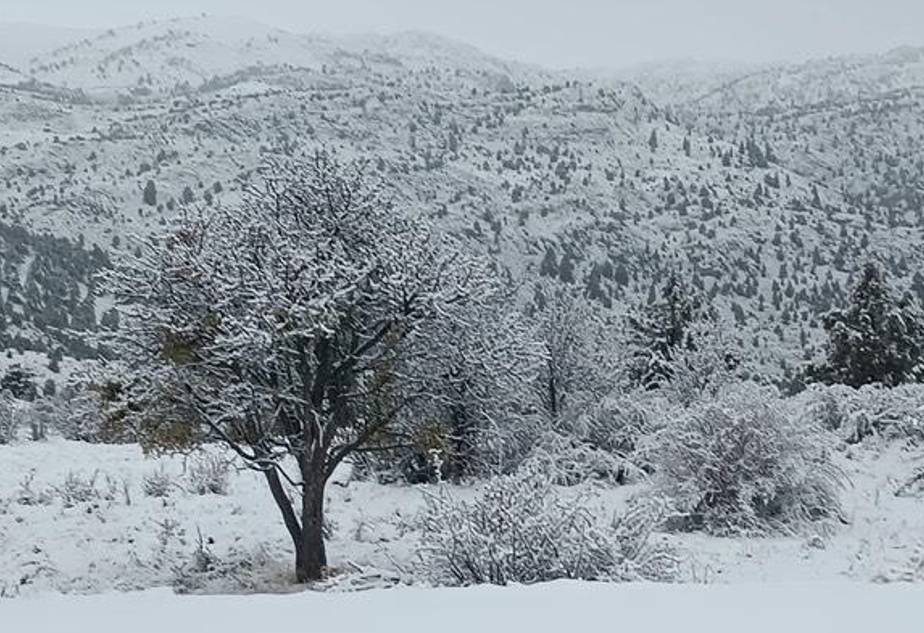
[
  {"x": 770, "y": 186},
  {"x": 190, "y": 53},
  {"x": 356, "y": 319},
  {"x": 20, "y": 42}
]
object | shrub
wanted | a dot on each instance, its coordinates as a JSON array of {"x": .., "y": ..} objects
[
  {"x": 702, "y": 371},
  {"x": 521, "y": 528},
  {"x": 615, "y": 428},
  {"x": 503, "y": 446},
  {"x": 208, "y": 475},
  {"x": 740, "y": 464},
  {"x": 28, "y": 495},
  {"x": 573, "y": 461},
  {"x": 828, "y": 406},
  {"x": 872, "y": 410},
  {"x": 9, "y": 421},
  {"x": 157, "y": 483},
  {"x": 238, "y": 570},
  {"x": 38, "y": 415},
  {"x": 83, "y": 420},
  {"x": 78, "y": 489}
]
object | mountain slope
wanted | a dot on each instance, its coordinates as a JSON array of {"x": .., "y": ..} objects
[{"x": 769, "y": 188}]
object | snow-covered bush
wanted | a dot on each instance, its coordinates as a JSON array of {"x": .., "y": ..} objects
[
  {"x": 477, "y": 369},
  {"x": 581, "y": 354},
  {"x": 613, "y": 430},
  {"x": 78, "y": 488},
  {"x": 739, "y": 463},
  {"x": 574, "y": 461},
  {"x": 238, "y": 570},
  {"x": 92, "y": 414},
  {"x": 893, "y": 413},
  {"x": 38, "y": 415},
  {"x": 827, "y": 406},
  {"x": 30, "y": 495},
  {"x": 157, "y": 483},
  {"x": 9, "y": 421},
  {"x": 522, "y": 528},
  {"x": 701, "y": 371},
  {"x": 80, "y": 418},
  {"x": 208, "y": 475}
]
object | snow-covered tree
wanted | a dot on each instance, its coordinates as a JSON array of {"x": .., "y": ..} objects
[
  {"x": 275, "y": 326},
  {"x": 876, "y": 338},
  {"x": 20, "y": 382},
  {"x": 150, "y": 194},
  {"x": 9, "y": 421},
  {"x": 662, "y": 327},
  {"x": 478, "y": 367},
  {"x": 580, "y": 355},
  {"x": 700, "y": 370}
]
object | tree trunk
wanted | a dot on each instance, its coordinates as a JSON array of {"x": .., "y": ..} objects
[
  {"x": 311, "y": 556},
  {"x": 553, "y": 393},
  {"x": 288, "y": 517}
]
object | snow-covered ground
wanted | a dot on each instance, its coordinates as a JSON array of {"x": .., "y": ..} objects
[
  {"x": 554, "y": 607},
  {"x": 60, "y": 535}
]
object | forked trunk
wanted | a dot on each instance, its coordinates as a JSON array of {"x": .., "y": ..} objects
[{"x": 307, "y": 537}]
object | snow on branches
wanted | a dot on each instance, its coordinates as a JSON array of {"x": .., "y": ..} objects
[
  {"x": 581, "y": 355},
  {"x": 276, "y": 325},
  {"x": 478, "y": 367},
  {"x": 523, "y": 528},
  {"x": 742, "y": 463}
]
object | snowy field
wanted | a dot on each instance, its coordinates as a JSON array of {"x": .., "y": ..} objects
[
  {"x": 553, "y": 607},
  {"x": 75, "y": 518}
]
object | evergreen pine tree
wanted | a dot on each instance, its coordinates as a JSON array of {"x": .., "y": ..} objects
[
  {"x": 876, "y": 339},
  {"x": 663, "y": 326},
  {"x": 150, "y": 194}
]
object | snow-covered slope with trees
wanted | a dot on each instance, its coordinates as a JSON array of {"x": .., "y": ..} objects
[
  {"x": 771, "y": 186},
  {"x": 371, "y": 312}
]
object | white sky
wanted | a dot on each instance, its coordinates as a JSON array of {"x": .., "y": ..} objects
[{"x": 555, "y": 33}]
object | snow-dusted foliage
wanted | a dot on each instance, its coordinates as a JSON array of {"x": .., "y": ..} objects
[
  {"x": 208, "y": 475},
  {"x": 158, "y": 483},
  {"x": 581, "y": 355},
  {"x": 95, "y": 410},
  {"x": 478, "y": 367},
  {"x": 81, "y": 417},
  {"x": 9, "y": 421},
  {"x": 29, "y": 494},
  {"x": 892, "y": 413},
  {"x": 522, "y": 528},
  {"x": 575, "y": 460},
  {"x": 276, "y": 326},
  {"x": 606, "y": 441},
  {"x": 877, "y": 338},
  {"x": 663, "y": 326},
  {"x": 78, "y": 488},
  {"x": 699, "y": 371},
  {"x": 39, "y": 416},
  {"x": 739, "y": 463}
]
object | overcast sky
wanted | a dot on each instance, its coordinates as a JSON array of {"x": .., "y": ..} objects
[{"x": 559, "y": 33}]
